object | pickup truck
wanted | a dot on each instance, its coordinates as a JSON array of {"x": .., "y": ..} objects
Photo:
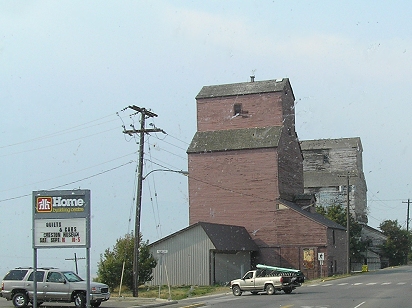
[
  {"x": 53, "y": 285},
  {"x": 268, "y": 279}
]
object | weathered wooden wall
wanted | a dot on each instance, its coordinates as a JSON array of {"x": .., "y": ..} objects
[
  {"x": 218, "y": 113},
  {"x": 243, "y": 187},
  {"x": 234, "y": 187},
  {"x": 325, "y": 166}
]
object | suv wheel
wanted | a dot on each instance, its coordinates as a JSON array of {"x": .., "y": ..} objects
[
  {"x": 20, "y": 300},
  {"x": 80, "y": 300}
]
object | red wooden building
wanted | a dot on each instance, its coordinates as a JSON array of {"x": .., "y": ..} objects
[{"x": 246, "y": 169}]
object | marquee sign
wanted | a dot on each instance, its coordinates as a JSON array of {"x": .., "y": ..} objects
[
  {"x": 60, "y": 232},
  {"x": 61, "y": 218}
]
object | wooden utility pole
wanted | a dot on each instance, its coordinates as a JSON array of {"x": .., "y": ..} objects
[
  {"x": 347, "y": 226},
  {"x": 75, "y": 262},
  {"x": 348, "y": 176},
  {"x": 407, "y": 228},
  {"x": 407, "y": 215},
  {"x": 145, "y": 114}
]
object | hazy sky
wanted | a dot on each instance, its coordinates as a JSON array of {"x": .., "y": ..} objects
[{"x": 69, "y": 68}]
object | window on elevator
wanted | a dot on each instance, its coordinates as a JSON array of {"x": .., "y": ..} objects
[
  {"x": 237, "y": 109},
  {"x": 326, "y": 158}
]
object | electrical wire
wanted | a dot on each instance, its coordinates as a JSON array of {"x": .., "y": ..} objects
[
  {"x": 63, "y": 175},
  {"x": 172, "y": 144},
  {"x": 65, "y": 131},
  {"x": 178, "y": 139},
  {"x": 57, "y": 144},
  {"x": 134, "y": 195},
  {"x": 155, "y": 210},
  {"x": 73, "y": 182}
]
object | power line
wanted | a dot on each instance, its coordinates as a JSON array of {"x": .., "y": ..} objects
[
  {"x": 57, "y": 144},
  {"x": 42, "y": 181},
  {"x": 158, "y": 225},
  {"x": 164, "y": 140},
  {"x": 68, "y": 130},
  {"x": 70, "y": 183}
]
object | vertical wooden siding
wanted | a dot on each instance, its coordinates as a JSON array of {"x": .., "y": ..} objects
[
  {"x": 218, "y": 113},
  {"x": 234, "y": 187}
]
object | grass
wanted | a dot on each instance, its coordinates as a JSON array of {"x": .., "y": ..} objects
[
  {"x": 176, "y": 293},
  {"x": 182, "y": 292}
]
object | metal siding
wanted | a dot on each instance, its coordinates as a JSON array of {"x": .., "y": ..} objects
[
  {"x": 231, "y": 266},
  {"x": 187, "y": 260}
]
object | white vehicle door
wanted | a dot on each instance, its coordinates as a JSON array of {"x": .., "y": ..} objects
[{"x": 248, "y": 282}]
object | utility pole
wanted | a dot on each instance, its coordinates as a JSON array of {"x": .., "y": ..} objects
[
  {"x": 145, "y": 114},
  {"x": 407, "y": 215},
  {"x": 347, "y": 226},
  {"x": 407, "y": 228},
  {"x": 348, "y": 176},
  {"x": 75, "y": 262}
]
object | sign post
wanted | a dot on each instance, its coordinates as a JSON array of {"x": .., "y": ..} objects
[
  {"x": 162, "y": 252},
  {"x": 321, "y": 258},
  {"x": 61, "y": 219}
]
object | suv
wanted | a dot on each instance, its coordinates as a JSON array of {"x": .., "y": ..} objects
[{"x": 53, "y": 285}]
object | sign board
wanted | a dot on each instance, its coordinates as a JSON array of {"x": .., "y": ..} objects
[
  {"x": 61, "y": 218},
  {"x": 60, "y": 232},
  {"x": 162, "y": 251},
  {"x": 321, "y": 256}
]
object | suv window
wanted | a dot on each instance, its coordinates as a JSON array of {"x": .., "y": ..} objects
[
  {"x": 72, "y": 277},
  {"x": 16, "y": 274},
  {"x": 55, "y": 277},
  {"x": 39, "y": 276}
]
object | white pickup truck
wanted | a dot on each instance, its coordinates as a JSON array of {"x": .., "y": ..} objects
[{"x": 268, "y": 279}]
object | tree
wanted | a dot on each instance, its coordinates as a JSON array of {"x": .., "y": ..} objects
[
  {"x": 337, "y": 213},
  {"x": 109, "y": 269},
  {"x": 398, "y": 242}
]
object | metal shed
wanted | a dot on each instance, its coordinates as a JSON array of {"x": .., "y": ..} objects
[{"x": 202, "y": 254}]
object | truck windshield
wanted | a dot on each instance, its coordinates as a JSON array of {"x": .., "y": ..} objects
[{"x": 72, "y": 277}]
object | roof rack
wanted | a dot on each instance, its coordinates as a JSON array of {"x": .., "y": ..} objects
[{"x": 29, "y": 267}]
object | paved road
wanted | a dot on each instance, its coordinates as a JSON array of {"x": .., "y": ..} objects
[
  {"x": 112, "y": 303},
  {"x": 381, "y": 289}
]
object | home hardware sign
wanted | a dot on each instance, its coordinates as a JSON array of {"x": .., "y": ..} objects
[{"x": 61, "y": 218}]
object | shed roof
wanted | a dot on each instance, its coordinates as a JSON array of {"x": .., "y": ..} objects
[
  {"x": 235, "y": 139},
  {"x": 228, "y": 237},
  {"x": 223, "y": 237},
  {"x": 243, "y": 88},
  {"x": 340, "y": 143},
  {"x": 313, "y": 216}
]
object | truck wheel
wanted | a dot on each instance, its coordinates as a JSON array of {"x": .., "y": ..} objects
[
  {"x": 288, "y": 290},
  {"x": 20, "y": 300},
  {"x": 80, "y": 300},
  {"x": 270, "y": 289},
  {"x": 236, "y": 291}
]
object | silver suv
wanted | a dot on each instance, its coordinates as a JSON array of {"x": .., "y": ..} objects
[{"x": 53, "y": 285}]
